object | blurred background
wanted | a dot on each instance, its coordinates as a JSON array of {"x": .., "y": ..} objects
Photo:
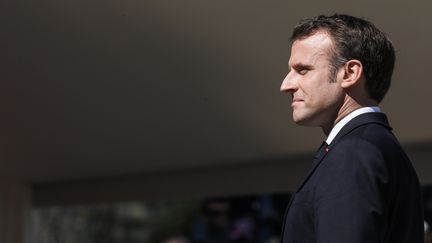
[{"x": 162, "y": 121}]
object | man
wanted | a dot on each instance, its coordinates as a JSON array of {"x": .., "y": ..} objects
[{"x": 362, "y": 187}]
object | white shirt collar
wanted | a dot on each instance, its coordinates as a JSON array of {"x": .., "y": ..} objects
[{"x": 336, "y": 129}]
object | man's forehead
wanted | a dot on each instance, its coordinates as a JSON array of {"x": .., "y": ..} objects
[
  {"x": 316, "y": 37},
  {"x": 309, "y": 49}
]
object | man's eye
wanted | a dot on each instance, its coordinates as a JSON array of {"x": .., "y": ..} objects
[{"x": 303, "y": 71}]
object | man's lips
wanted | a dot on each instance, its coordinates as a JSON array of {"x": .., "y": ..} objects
[{"x": 295, "y": 101}]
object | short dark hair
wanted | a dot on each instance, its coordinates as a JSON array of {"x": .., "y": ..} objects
[{"x": 355, "y": 38}]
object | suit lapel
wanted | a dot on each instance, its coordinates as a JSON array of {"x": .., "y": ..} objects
[{"x": 319, "y": 156}]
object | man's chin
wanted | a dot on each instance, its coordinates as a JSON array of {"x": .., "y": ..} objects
[{"x": 304, "y": 122}]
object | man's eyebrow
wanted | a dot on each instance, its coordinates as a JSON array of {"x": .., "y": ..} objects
[{"x": 301, "y": 66}]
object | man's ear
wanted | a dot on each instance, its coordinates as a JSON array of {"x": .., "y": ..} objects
[{"x": 352, "y": 72}]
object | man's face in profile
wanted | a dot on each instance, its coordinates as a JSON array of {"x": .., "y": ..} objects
[{"x": 316, "y": 95}]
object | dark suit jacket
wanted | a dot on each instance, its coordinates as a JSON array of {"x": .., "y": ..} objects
[{"x": 363, "y": 189}]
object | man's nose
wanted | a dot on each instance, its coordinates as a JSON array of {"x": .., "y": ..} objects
[{"x": 288, "y": 84}]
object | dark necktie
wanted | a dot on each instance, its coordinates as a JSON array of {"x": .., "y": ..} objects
[{"x": 323, "y": 149}]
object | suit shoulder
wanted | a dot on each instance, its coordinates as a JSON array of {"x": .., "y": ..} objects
[
  {"x": 373, "y": 133},
  {"x": 372, "y": 138}
]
